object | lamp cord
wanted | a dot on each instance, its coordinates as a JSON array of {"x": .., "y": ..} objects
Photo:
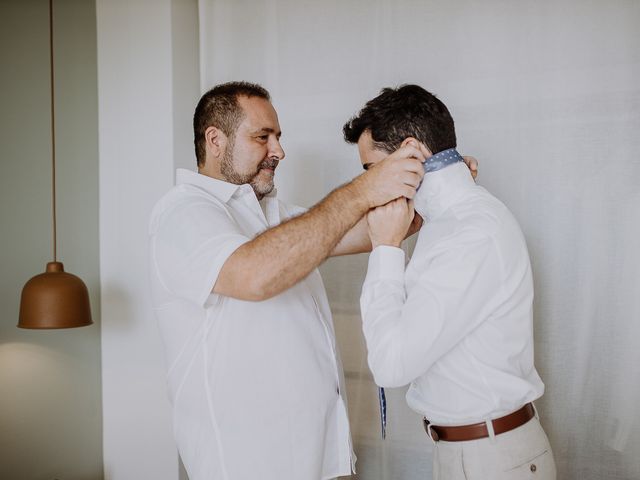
[{"x": 53, "y": 131}]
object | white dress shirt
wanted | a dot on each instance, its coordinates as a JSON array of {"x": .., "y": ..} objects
[
  {"x": 256, "y": 387},
  {"x": 457, "y": 324}
]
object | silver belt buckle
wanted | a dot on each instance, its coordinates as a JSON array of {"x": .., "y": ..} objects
[{"x": 431, "y": 433}]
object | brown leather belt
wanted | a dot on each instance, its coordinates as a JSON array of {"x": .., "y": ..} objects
[{"x": 461, "y": 433}]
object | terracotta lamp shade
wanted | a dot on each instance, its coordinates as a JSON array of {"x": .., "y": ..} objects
[{"x": 54, "y": 299}]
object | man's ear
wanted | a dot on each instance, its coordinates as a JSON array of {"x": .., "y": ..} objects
[
  {"x": 216, "y": 141},
  {"x": 410, "y": 141},
  {"x": 417, "y": 144}
]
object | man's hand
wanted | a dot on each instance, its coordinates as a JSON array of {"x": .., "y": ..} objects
[
  {"x": 416, "y": 224},
  {"x": 472, "y": 163},
  {"x": 398, "y": 175},
  {"x": 389, "y": 223}
]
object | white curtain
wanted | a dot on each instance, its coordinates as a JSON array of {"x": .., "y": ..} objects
[{"x": 547, "y": 96}]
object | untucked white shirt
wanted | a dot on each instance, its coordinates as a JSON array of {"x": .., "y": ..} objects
[
  {"x": 457, "y": 323},
  {"x": 256, "y": 387}
]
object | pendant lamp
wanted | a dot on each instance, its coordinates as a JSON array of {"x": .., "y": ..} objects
[{"x": 55, "y": 298}]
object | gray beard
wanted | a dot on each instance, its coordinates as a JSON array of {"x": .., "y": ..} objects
[{"x": 233, "y": 176}]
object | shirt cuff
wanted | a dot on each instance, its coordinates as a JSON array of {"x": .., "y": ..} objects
[{"x": 386, "y": 263}]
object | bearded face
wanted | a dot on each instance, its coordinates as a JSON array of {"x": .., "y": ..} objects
[{"x": 253, "y": 153}]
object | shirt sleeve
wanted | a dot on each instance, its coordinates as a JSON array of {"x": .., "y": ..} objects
[
  {"x": 190, "y": 247},
  {"x": 408, "y": 331}
]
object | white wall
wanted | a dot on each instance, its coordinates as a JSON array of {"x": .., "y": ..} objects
[
  {"x": 50, "y": 398},
  {"x": 186, "y": 78},
  {"x": 145, "y": 80}
]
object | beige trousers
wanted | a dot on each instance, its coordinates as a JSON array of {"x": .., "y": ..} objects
[{"x": 522, "y": 453}]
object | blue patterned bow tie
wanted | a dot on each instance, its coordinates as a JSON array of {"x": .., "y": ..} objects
[{"x": 442, "y": 159}]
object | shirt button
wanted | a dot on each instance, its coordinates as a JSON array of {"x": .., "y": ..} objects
[{"x": 533, "y": 467}]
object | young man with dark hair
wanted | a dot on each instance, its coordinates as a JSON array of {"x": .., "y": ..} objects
[
  {"x": 254, "y": 375},
  {"x": 456, "y": 323}
]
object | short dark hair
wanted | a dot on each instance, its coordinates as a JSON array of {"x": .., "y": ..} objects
[
  {"x": 398, "y": 113},
  {"x": 219, "y": 108}
]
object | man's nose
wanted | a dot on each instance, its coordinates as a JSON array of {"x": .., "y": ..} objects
[{"x": 275, "y": 150}]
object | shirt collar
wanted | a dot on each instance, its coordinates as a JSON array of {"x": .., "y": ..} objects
[
  {"x": 218, "y": 188},
  {"x": 441, "y": 189},
  {"x": 442, "y": 159}
]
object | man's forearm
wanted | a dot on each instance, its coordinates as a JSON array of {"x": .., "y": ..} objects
[
  {"x": 282, "y": 256},
  {"x": 356, "y": 240}
]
